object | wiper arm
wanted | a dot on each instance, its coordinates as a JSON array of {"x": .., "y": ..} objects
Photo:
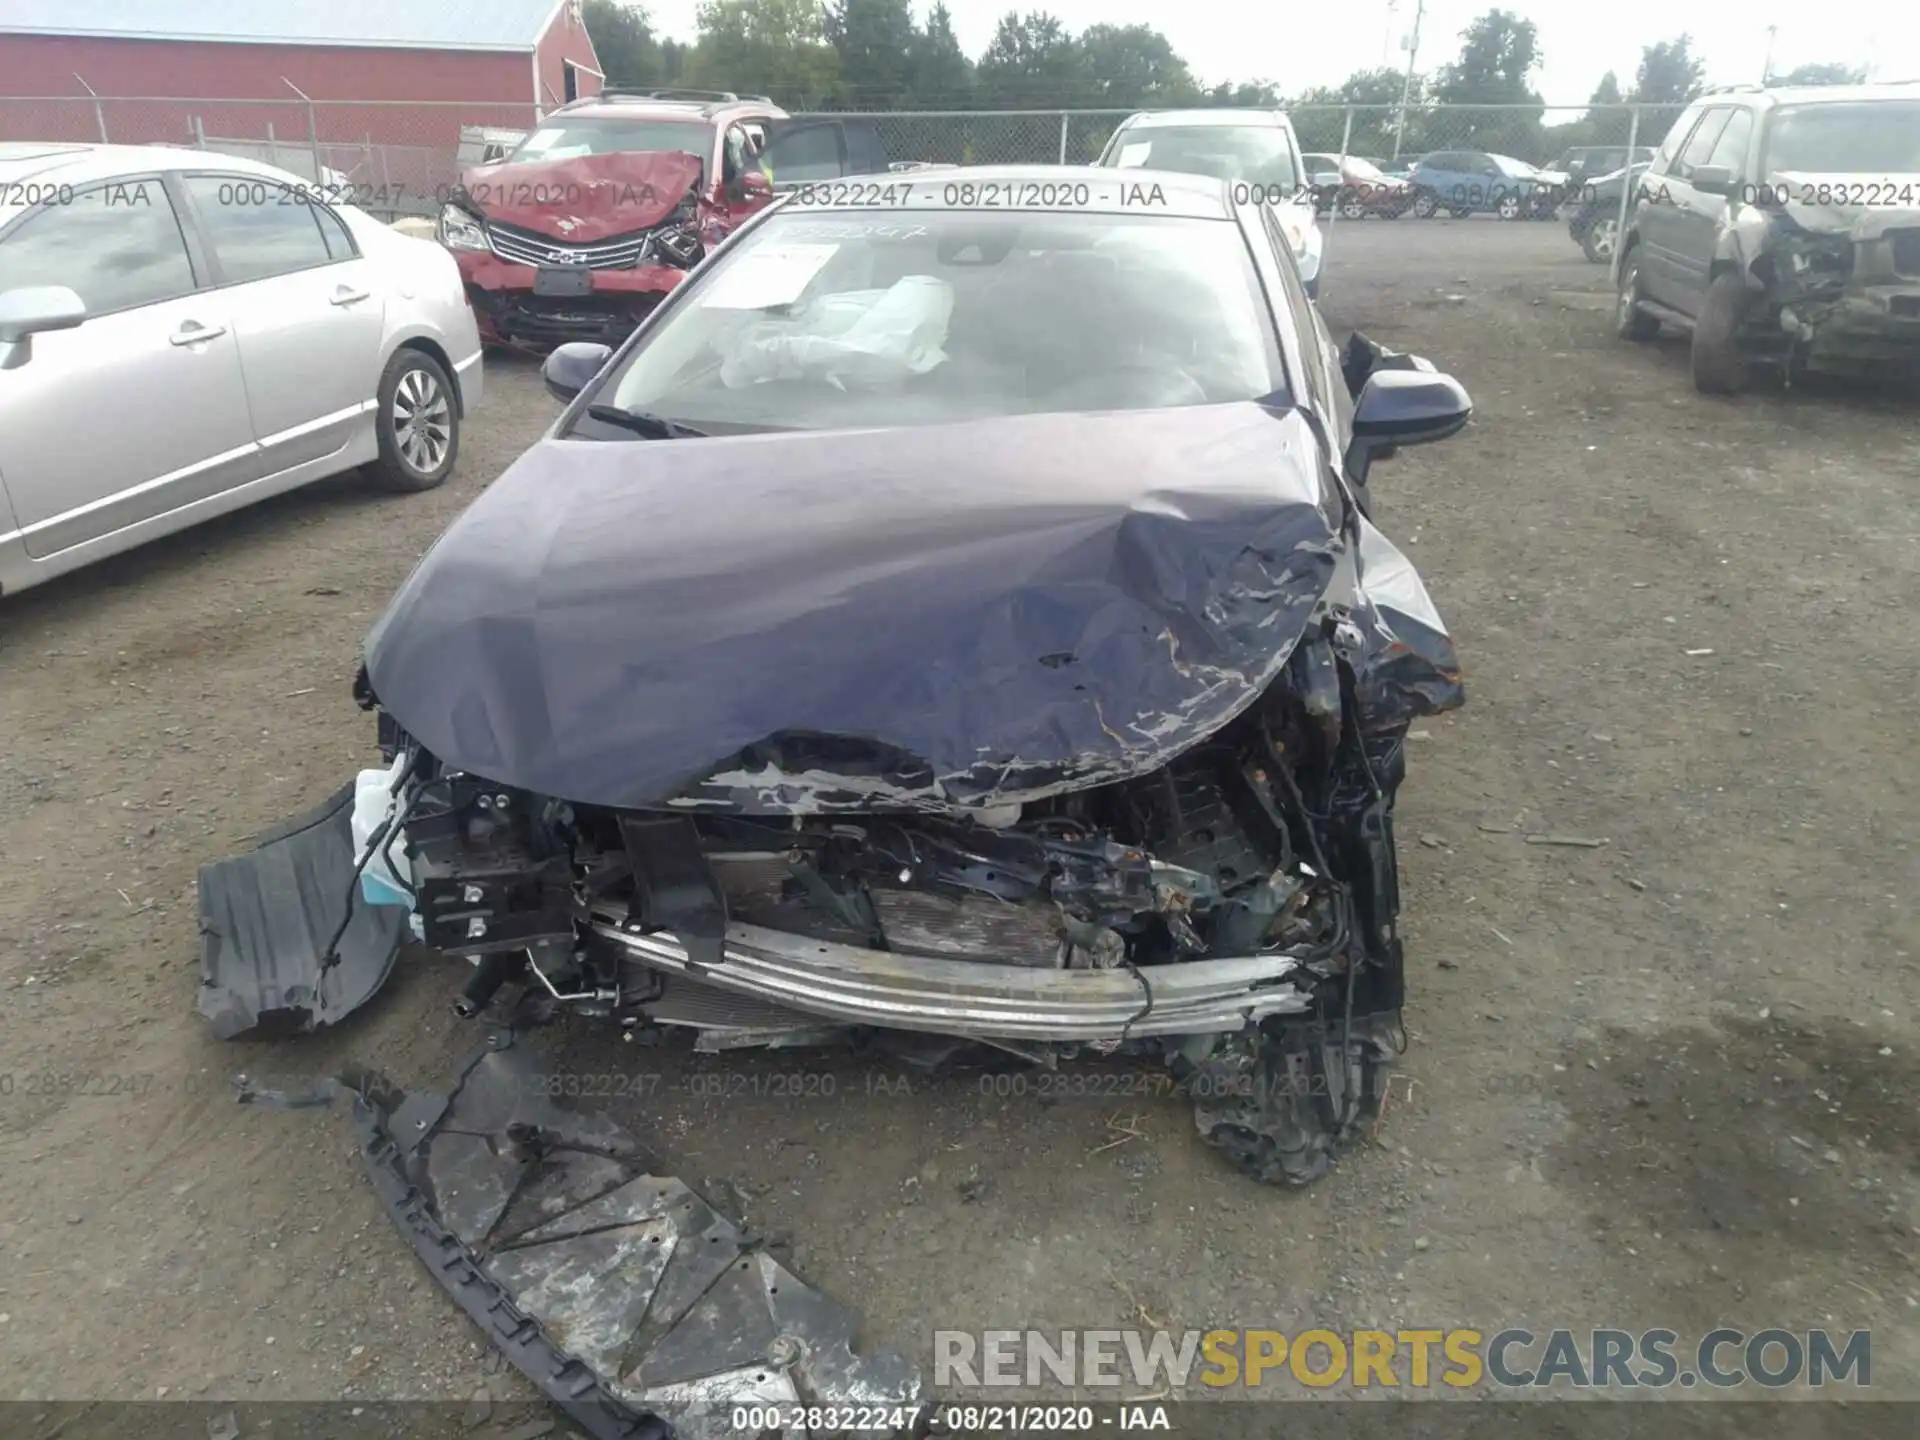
[{"x": 653, "y": 427}]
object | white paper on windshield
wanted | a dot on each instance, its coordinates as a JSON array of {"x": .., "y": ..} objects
[
  {"x": 767, "y": 275},
  {"x": 1132, "y": 157}
]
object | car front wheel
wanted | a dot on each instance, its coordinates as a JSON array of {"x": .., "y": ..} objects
[
  {"x": 1425, "y": 205},
  {"x": 418, "y": 423},
  {"x": 1601, "y": 238},
  {"x": 1718, "y": 366},
  {"x": 1352, "y": 207},
  {"x": 1510, "y": 207},
  {"x": 1630, "y": 322}
]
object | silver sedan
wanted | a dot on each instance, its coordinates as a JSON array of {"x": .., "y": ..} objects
[{"x": 184, "y": 333}]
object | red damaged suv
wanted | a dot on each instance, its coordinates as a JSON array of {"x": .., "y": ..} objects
[{"x": 603, "y": 209}]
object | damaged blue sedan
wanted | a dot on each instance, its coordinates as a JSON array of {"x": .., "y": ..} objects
[{"x": 954, "y": 615}]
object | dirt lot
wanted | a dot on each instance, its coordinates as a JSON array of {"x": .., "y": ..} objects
[{"x": 1668, "y": 1080}]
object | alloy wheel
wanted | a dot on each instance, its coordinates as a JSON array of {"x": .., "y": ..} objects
[{"x": 422, "y": 421}]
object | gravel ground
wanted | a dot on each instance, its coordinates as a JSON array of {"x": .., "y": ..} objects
[{"x": 1664, "y": 1080}]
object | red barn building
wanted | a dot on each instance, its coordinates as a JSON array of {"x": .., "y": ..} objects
[{"x": 163, "y": 68}]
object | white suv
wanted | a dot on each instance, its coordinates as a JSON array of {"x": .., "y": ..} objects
[{"x": 1255, "y": 149}]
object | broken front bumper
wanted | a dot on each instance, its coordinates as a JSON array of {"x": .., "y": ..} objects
[
  {"x": 511, "y": 312},
  {"x": 978, "y": 999}
]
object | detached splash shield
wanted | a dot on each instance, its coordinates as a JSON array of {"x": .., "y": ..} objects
[
  {"x": 630, "y": 1302},
  {"x": 268, "y": 918}
]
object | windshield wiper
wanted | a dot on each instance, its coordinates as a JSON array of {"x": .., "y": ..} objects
[{"x": 653, "y": 427}]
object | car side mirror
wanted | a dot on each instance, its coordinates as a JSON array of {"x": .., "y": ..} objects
[
  {"x": 30, "y": 310},
  {"x": 1403, "y": 407},
  {"x": 1712, "y": 180},
  {"x": 570, "y": 367}
]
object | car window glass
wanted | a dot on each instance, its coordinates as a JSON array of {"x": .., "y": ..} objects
[
  {"x": 809, "y": 153},
  {"x": 1254, "y": 154},
  {"x": 1700, "y": 144},
  {"x": 1730, "y": 149},
  {"x": 817, "y": 320},
  {"x": 259, "y": 228},
  {"x": 734, "y": 159},
  {"x": 1683, "y": 129},
  {"x": 117, "y": 245},
  {"x": 333, "y": 230}
]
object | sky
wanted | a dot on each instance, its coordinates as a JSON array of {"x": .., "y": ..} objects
[{"x": 1296, "y": 47}]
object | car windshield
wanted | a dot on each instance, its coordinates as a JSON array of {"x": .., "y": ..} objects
[
  {"x": 821, "y": 321},
  {"x": 1256, "y": 154},
  {"x": 1846, "y": 138},
  {"x": 583, "y": 135}
]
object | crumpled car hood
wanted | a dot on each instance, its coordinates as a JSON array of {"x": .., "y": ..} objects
[
  {"x": 969, "y": 614},
  {"x": 1860, "y": 222},
  {"x": 586, "y": 198}
]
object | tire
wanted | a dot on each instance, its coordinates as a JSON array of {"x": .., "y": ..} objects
[
  {"x": 1600, "y": 239},
  {"x": 1352, "y": 207},
  {"x": 417, "y": 422},
  {"x": 1630, "y": 322},
  {"x": 1718, "y": 366},
  {"x": 1426, "y": 205},
  {"x": 1282, "y": 1107},
  {"x": 1510, "y": 207}
]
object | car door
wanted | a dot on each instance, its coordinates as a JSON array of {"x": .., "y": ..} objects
[
  {"x": 143, "y": 407},
  {"x": 1687, "y": 244},
  {"x": 308, "y": 310},
  {"x": 1653, "y": 211},
  {"x": 811, "y": 152},
  {"x": 1696, "y": 217}
]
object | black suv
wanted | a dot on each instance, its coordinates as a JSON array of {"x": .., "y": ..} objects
[{"x": 1782, "y": 228}]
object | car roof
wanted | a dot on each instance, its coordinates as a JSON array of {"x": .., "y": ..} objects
[
  {"x": 1110, "y": 190},
  {"x": 665, "y": 105},
  {"x": 1259, "y": 118},
  {"x": 1811, "y": 94},
  {"x": 50, "y": 164}
]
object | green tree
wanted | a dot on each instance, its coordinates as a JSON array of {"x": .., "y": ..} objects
[
  {"x": 1032, "y": 61},
  {"x": 939, "y": 74},
  {"x": 873, "y": 39},
  {"x": 1498, "y": 54},
  {"x": 1320, "y": 117},
  {"x": 623, "y": 38},
  {"x": 1607, "y": 92},
  {"x": 1670, "y": 75},
  {"x": 1827, "y": 73},
  {"x": 1252, "y": 94},
  {"x": 772, "y": 47},
  {"x": 1133, "y": 66}
]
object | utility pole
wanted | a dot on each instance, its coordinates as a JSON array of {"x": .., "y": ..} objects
[
  {"x": 1386, "y": 33},
  {"x": 1766, "y": 65},
  {"x": 1406, "y": 86}
]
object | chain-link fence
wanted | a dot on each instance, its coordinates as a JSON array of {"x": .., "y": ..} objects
[{"x": 401, "y": 157}]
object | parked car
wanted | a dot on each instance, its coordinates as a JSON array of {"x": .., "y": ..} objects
[
  {"x": 184, "y": 333},
  {"x": 1579, "y": 165},
  {"x": 1255, "y": 150},
  {"x": 1356, "y": 187},
  {"x": 970, "y": 629},
  {"x": 1472, "y": 182},
  {"x": 1782, "y": 229},
  {"x": 1593, "y": 217},
  {"x": 598, "y": 213}
]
